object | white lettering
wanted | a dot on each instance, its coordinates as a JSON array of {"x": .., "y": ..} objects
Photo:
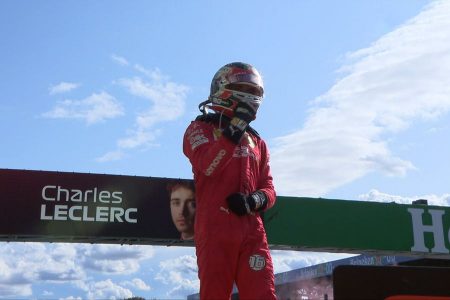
[
  {"x": 58, "y": 193},
  {"x": 86, "y": 193},
  {"x": 102, "y": 214},
  {"x": 43, "y": 215},
  {"x": 419, "y": 229},
  {"x": 127, "y": 215},
  {"x": 77, "y": 196},
  {"x": 62, "y": 191},
  {"x": 104, "y": 194},
  {"x": 215, "y": 162},
  {"x": 85, "y": 214},
  {"x": 60, "y": 213},
  {"x": 71, "y": 213},
  {"x": 95, "y": 194},
  {"x": 88, "y": 213},
  {"x": 198, "y": 143},
  {"x": 44, "y": 192},
  {"x": 117, "y": 196},
  {"x": 116, "y": 213}
]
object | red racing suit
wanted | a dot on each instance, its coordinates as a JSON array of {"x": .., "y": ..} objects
[{"x": 229, "y": 248}]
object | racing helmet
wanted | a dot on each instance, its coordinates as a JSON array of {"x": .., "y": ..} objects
[{"x": 233, "y": 83}]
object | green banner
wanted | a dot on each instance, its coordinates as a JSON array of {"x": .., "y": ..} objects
[{"x": 317, "y": 224}]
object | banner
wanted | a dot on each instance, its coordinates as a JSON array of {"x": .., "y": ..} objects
[
  {"x": 79, "y": 207},
  {"x": 96, "y": 208},
  {"x": 316, "y": 224}
]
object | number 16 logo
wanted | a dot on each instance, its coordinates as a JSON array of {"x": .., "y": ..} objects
[{"x": 257, "y": 262}]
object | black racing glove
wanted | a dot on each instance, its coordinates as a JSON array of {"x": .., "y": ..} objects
[
  {"x": 243, "y": 115},
  {"x": 242, "y": 204}
]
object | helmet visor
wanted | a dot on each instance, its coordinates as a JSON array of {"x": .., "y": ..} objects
[
  {"x": 249, "y": 78},
  {"x": 248, "y": 88}
]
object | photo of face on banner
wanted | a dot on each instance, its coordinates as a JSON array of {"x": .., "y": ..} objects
[{"x": 182, "y": 206}]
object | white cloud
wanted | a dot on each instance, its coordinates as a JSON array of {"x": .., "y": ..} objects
[
  {"x": 108, "y": 266},
  {"x": 11, "y": 283},
  {"x": 377, "y": 196},
  {"x": 166, "y": 100},
  {"x": 114, "y": 259},
  {"x": 25, "y": 264},
  {"x": 93, "y": 109},
  {"x": 107, "y": 289},
  {"x": 399, "y": 79},
  {"x": 137, "y": 138},
  {"x": 69, "y": 298},
  {"x": 21, "y": 265},
  {"x": 117, "y": 252},
  {"x": 16, "y": 290},
  {"x": 154, "y": 74},
  {"x": 137, "y": 283},
  {"x": 290, "y": 260},
  {"x": 181, "y": 274},
  {"x": 62, "y": 87},
  {"x": 111, "y": 156},
  {"x": 119, "y": 60}
]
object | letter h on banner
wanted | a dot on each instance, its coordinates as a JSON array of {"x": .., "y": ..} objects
[{"x": 419, "y": 229}]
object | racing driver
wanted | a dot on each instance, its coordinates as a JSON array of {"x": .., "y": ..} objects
[{"x": 230, "y": 162}]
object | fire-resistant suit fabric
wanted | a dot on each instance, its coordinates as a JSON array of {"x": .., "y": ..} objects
[{"x": 229, "y": 248}]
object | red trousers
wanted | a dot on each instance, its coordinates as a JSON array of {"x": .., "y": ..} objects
[{"x": 235, "y": 252}]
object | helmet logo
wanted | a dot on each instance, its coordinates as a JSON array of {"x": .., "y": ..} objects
[
  {"x": 257, "y": 262},
  {"x": 222, "y": 102}
]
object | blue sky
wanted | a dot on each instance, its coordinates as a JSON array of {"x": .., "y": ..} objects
[{"x": 357, "y": 107}]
